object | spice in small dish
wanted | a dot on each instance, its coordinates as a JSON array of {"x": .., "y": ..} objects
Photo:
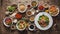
[
  {"x": 32, "y": 18},
  {"x": 28, "y": 13},
  {"x": 34, "y": 3},
  {"x": 13, "y": 27}
]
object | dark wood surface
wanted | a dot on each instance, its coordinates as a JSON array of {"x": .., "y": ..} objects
[{"x": 55, "y": 29}]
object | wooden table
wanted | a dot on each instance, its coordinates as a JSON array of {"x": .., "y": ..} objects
[{"x": 55, "y": 29}]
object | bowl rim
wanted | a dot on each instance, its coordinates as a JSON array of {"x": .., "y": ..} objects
[
  {"x": 30, "y": 18},
  {"x": 5, "y": 22},
  {"x": 56, "y": 8},
  {"x": 47, "y": 5},
  {"x": 39, "y": 9},
  {"x": 24, "y": 9},
  {"x": 50, "y": 19},
  {"x": 30, "y": 28},
  {"x": 29, "y": 11},
  {"x": 36, "y": 2},
  {"x": 18, "y": 28}
]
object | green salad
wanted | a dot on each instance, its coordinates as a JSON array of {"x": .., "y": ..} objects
[
  {"x": 10, "y": 8},
  {"x": 43, "y": 21}
]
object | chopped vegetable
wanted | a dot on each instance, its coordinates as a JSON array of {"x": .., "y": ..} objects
[
  {"x": 8, "y": 21},
  {"x": 10, "y": 8},
  {"x": 43, "y": 20}
]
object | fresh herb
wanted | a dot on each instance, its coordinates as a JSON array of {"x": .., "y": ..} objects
[{"x": 10, "y": 8}]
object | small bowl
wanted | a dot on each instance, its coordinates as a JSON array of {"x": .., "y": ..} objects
[
  {"x": 31, "y": 29},
  {"x": 28, "y": 13},
  {"x": 35, "y": 2},
  {"x": 46, "y": 5},
  {"x": 41, "y": 2},
  {"x": 33, "y": 11},
  {"x": 13, "y": 27},
  {"x": 32, "y": 18},
  {"x": 22, "y": 11},
  {"x": 18, "y": 16},
  {"x": 41, "y": 7},
  {"x": 5, "y": 22}
]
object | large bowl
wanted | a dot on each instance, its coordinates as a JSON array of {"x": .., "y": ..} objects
[
  {"x": 19, "y": 8},
  {"x": 18, "y": 28},
  {"x": 5, "y": 22},
  {"x": 39, "y": 26},
  {"x": 56, "y": 8}
]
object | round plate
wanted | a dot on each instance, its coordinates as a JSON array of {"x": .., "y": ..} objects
[{"x": 50, "y": 21}]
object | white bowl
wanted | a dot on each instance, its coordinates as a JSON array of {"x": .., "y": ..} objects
[
  {"x": 47, "y": 5},
  {"x": 20, "y": 29},
  {"x": 30, "y": 28},
  {"x": 39, "y": 9},
  {"x": 50, "y": 21},
  {"x": 57, "y": 9},
  {"x": 36, "y": 2},
  {"x": 19, "y": 8},
  {"x": 5, "y": 22},
  {"x": 31, "y": 13}
]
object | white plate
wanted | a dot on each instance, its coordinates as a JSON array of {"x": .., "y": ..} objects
[{"x": 50, "y": 21}]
